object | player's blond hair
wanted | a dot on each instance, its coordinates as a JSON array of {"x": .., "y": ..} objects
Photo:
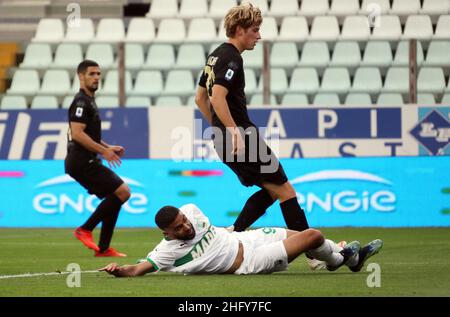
[{"x": 244, "y": 15}]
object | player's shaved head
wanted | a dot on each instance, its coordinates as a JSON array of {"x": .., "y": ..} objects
[{"x": 165, "y": 216}]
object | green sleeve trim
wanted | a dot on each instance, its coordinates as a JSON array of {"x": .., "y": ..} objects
[{"x": 154, "y": 265}]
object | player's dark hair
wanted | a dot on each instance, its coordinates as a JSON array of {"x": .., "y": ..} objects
[
  {"x": 165, "y": 216},
  {"x": 83, "y": 66}
]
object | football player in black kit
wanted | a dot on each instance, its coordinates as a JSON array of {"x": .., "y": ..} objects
[{"x": 82, "y": 164}]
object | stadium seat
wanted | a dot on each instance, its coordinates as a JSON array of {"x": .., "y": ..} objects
[
  {"x": 110, "y": 30},
  {"x": 389, "y": 99},
  {"x": 138, "y": 102},
  {"x": 405, "y": 7},
  {"x": 179, "y": 83},
  {"x": 218, "y": 8},
  {"x": 344, "y": 8},
  {"x": 335, "y": 80},
  {"x": 148, "y": 83},
  {"x": 446, "y": 99},
  {"x": 402, "y": 54},
  {"x": 107, "y": 102},
  {"x": 24, "y": 82},
  {"x": 13, "y": 103},
  {"x": 37, "y": 55},
  {"x": 190, "y": 9},
  {"x": 190, "y": 56},
  {"x": 49, "y": 31},
  {"x": 222, "y": 36},
  {"x": 381, "y": 6},
  {"x": 68, "y": 55},
  {"x": 250, "y": 81},
  {"x": 438, "y": 54},
  {"x": 312, "y": 8},
  {"x": 390, "y": 29},
  {"x": 111, "y": 83},
  {"x": 163, "y": 9},
  {"x": 278, "y": 81},
  {"x": 171, "y": 31},
  {"x": 191, "y": 101},
  {"x": 160, "y": 56},
  {"x": 357, "y": 99},
  {"x": 134, "y": 56},
  {"x": 82, "y": 33},
  {"x": 324, "y": 28},
  {"x": 257, "y": 100},
  {"x": 269, "y": 29},
  {"x": 397, "y": 80},
  {"x": 253, "y": 58},
  {"x": 67, "y": 101},
  {"x": 141, "y": 30},
  {"x": 55, "y": 82},
  {"x": 168, "y": 101},
  {"x": 102, "y": 53},
  {"x": 435, "y": 7},
  {"x": 426, "y": 99},
  {"x": 76, "y": 84},
  {"x": 326, "y": 99},
  {"x": 443, "y": 28},
  {"x": 355, "y": 28},
  {"x": 315, "y": 54},
  {"x": 377, "y": 53},
  {"x": 261, "y": 4},
  {"x": 294, "y": 100},
  {"x": 201, "y": 30},
  {"x": 431, "y": 80},
  {"x": 418, "y": 27},
  {"x": 293, "y": 29},
  {"x": 281, "y": 8},
  {"x": 304, "y": 80},
  {"x": 346, "y": 54},
  {"x": 367, "y": 80},
  {"x": 44, "y": 102},
  {"x": 284, "y": 54}
]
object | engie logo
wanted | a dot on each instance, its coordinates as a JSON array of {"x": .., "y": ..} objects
[
  {"x": 62, "y": 194},
  {"x": 345, "y": 191}
]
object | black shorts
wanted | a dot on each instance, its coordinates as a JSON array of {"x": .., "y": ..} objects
[
  {"x": 95, "y": 177},
  {"x": 257, "y": 166}
]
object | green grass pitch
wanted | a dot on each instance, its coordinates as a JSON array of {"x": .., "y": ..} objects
[{"x": 413, "y": 262}]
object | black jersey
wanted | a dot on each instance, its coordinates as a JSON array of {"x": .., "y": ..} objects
[
  {"x": 225, "y": 67},
  {"x": 84, "y": 110}
]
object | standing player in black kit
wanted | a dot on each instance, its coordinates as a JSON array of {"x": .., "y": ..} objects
[{"x": 82, "y": 163}]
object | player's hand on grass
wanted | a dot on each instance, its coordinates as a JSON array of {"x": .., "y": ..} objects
[
  {"x": 111, "y": 157},
  {"x": 112, "y": 268}
]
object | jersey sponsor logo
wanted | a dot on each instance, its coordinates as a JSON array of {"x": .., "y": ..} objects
[
  {"x": 229, "y": 74},
  {"x": 199, "y": 248},
  {"x": 79, "y": 112}
]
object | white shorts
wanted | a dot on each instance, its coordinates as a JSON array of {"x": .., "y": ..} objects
[{"x": 264, "y": 251}]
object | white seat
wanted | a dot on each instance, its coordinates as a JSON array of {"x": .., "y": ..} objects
[
  {"x": 13, "y": 103},
  {"x": 37, "y": 55},
  {"x": 346, "y": 54},
  {"x": 269, "y": 29},
  {"x": 101, "y": 52},
  {"x": 426, "y": 99},
  {"x": 377, "y": 53},
  {"x": 377, "y": 6},
  {"x": 418, "y": 27},
  {"x": 390, "y": 99},
  {"x": 315, "y": 54},
  {"x": 355, "y": 28},
  {"x": 324, "y": 28},
  {"x": 76, "y": 84},
  {"x": 253, "y": 58},
  {"x": 24, "y": 82},
  {"x": 83, "y": 33},
  {"x": 293, "y": 29},
  {"x": 67, "y": 101},
  {"x": 405, "y": 7},
  {"x": 281, "y": 8},
  {"x": 435, "y": 7},
  {"x": 335, "y": 80},
  {"x": 278, "y": 81},
  {"x": 49, "y": 31},
  {"x": 179, "y": 83},
  {"x": 431, "y": 80},
  {"x": 222, "y": 36},
  {"x": 437, "y": 54},
  {"x": 443, "y": 28},
  {"x": 445, "y": 99},
  {"x": 55, "y": 82},
  {"x": 250, "y": 81},
  {"x": 258, "y": 100},
  {"x": 110, "y": 30},
  {"x": 262, "y": 5},
  {"x": 134, "y": 56},
  {"x": 111, "y": 84},
  {"x": 397, "y": 80},
  {"x": 190, "y": 9},
  {"x": 141, "y": 30},
  {"x": 201, "y": 30},
  {"x": 304, "y": 80},
  {"x": 326, "y": 99},
  {"x": 390, "y": 29},
  {"x": 344, "y": 7},
  {"x": 284, "y": 54},
  {"x": 168, "y": 101},
  {"x": 290, "y": 99},
  {"x": 312, "y": 8},
  {"x": 44, "y": 102},
  {"x": 162, "y": 9},
  {"x": 402, "y": 54},
  {"x": 219, "y": 8},
  {"x": 68, "y": 55},
  {"x": 107, "y": 102},
  {"x": 148, "y": 83},
  {"x": 190, "y": 56},
  {"x": 357, "y": 99},
  {"x": 160, "y": 56},
  {"x": 138, "y": 102},
  {"x": 171, "y": 31},
  {"x": 367, "y": 80}
]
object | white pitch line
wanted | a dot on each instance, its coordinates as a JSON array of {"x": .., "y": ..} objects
[{"x": 44, "y": 274}]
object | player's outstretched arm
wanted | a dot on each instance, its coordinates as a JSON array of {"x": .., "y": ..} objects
[{"x": 128, "y": 270}]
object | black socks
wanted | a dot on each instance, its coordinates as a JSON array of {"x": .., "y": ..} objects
[
  {"x": 294, "y": 215},
  {"x": 254, "y": 208}
]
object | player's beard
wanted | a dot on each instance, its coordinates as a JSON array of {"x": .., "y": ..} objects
[{"x": 92, "y": 88}]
